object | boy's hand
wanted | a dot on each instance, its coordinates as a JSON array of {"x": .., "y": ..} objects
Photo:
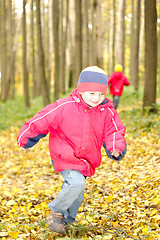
[{"x": 115, "y": 154}]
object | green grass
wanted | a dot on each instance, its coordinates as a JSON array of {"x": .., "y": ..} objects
[{"x": 14, "y": 113}]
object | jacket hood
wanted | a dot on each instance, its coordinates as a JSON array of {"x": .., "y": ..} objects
[
  {"x": 77, "y": 97},
  {"x": 118, "y": 75}
]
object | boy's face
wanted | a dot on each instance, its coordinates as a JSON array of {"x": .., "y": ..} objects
[{"x": 93, "y": 99}]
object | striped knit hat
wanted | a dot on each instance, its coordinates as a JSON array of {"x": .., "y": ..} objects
[{"x": 92, "y": 79}]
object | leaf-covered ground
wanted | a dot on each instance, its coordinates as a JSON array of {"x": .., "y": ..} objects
[{"x": 122, "y": 200}]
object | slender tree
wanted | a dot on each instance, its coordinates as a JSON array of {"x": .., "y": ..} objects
[
  {"x": 25, "y": 73},
  {"x": 56, "y": 47},
  {"x": 63, "y": 43},
  {"x": 98, "y": 32},
  {"x": 78, "y": 40},
  {"x": 120, "y": 33},
  {"x": 3, "y": 50},
  {"x": 114, "y": 33},
  {"x": 149, "y": 99},
  {"x": 14, "y": 50},
  {"x": 10, "y": 70},
  {"x": 135, "y": 72},
  {"x": 41, "y": 57},
  {"x": 71, "y": 45},
  {"x": 50, "y": 44},
  {"x": 141, "y": 40},
  {"x": 132, "y": 41},
  {"x": 86, "y": 49},
  {"x": 159, "y": 46},
  {"x": 34, "y": 84},
  {"x": 111, "y": 40}
]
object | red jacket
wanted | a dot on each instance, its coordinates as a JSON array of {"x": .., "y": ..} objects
[
  {"x": 116, "y": 82},
  {"x": 77, "y": 133}
]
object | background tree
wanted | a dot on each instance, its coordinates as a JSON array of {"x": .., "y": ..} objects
[
  {"x": 98, "y": 33},
  {"x": 32, "y": 50},
  {"x": 25, "y": 73},
  {"x": 3, "y": 50},
  {"x": 135, "y": 57},
  {"x": 56, "y": 47},
  {"x": 86, "y": 49},
  {"x": 111, "y": 42},
  {"x": 41, "y": 57},
  {"x": 159, "y": 46},
  {"x": 78, "y": 40},
  {"x": 120, "y": 33},
  {"x": 149, "y": 99},
  {"x": 71, "y": 44},
  {"x": 63, "y": 43}
]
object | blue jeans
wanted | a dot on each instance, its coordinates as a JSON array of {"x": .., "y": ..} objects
[{"x": 71, "y": 195}]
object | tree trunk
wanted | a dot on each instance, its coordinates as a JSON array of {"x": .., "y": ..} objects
[
  {"x": 34, "y": 85},
  {"x": 78, "y": 40},
  {"x": 114, "y": 34},
  {"x": 10, "y": 70},
  {"x": 44, "y": 84},
  {"x": 98, "y": 33},
  {"x": 86, "y": 50},
  {"x": 3, "y": 51},
  {"x": 25, "y": 73},
  {"x": 71, "y": 45},
  {"x": 13, "y": 32},
  {"x": 132, "y": 43},
  {"x": 50, "y": 43},
  {"x": 63, "y": 42},
  {"x": 159, "y": 47},
  {"x": 149, "y": 99},
  {"x": 111, "y": 56},
  {"x": 65, "y": 37},
  {"x": 120, "y": 39},
  {"x": 141, "y": 40},
  {"x": 135, "y": 72},
  {"x": 56, "y": 47}
]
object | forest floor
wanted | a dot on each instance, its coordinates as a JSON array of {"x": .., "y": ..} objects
[{"x": 122, "y": 199}]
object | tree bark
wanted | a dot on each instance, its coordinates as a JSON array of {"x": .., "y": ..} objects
[
  {"x": 44, "y": 84},
  {"x": 78, "y": 40},
  {"x": 25, "y": 73},
  {"x": 63, "y": 43},
  {"x": 50, "y": 43},
  {"x": 132, "y": 42},
  {"x": 120, "y": 35},
  {"x": 111, "y": 50},
  {"x": 135, "y": 72},
  {"x": 149, "y": 99},
  {"x": 32, "y": 50},
  {"x": 86, "y": 50},
  {"x": 71, "y": 46},
  {"x": 98, "y": 31},
  {"x": 3, "y": 50},
  {"x": 159, "y": 48},
  {"x": 56, "y": 47}
]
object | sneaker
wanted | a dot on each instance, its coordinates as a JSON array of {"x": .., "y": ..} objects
[{"x": 55, "y": 222}]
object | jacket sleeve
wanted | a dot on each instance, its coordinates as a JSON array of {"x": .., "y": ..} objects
[
  {"x": 126, "y": 82},
  {"x": 114, "y": 135},
  {"x": 37, "y": 127},
  {"x": 120, "y": 157}
]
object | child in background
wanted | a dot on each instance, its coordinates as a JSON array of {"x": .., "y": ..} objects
[
  {"x": 116, "y": 82},
  {"x": 78, "y": 126}
]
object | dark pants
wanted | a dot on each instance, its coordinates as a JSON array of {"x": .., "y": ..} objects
[{"x": 116, "y": 101}]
